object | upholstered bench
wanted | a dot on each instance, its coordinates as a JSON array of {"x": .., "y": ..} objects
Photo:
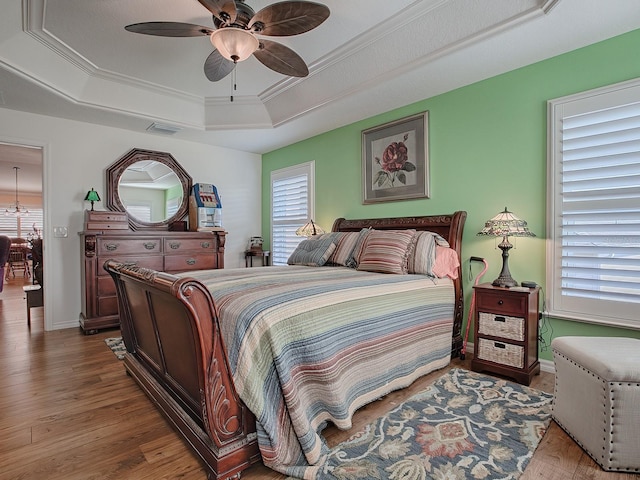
[{"x": 597, "y": 397}]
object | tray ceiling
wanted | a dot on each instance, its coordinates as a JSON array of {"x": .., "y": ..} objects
[{"x": 73, "y": 59}]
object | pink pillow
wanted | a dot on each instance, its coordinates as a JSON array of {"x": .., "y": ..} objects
[{"x": 447, "y": 263}]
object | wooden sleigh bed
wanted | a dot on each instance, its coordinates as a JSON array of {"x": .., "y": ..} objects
[{"x": 180, "y": 354}]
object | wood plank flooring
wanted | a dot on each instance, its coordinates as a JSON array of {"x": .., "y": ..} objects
[{"x": 68, "y": 411}]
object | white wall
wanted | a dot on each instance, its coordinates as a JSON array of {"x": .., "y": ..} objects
[{"x": 76, "y": 156}]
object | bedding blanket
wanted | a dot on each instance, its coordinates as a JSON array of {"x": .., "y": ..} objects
[{"x": 310, "y": 345}]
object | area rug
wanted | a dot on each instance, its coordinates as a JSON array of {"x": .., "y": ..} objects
[
  {"x": 117, "y": 346},
  {"x": 465, "y": 425}
]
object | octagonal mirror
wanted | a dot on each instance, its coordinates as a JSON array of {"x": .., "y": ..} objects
[{"x": 152, "y": 187}]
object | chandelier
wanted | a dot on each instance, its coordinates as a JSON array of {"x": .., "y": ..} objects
[{"x": 16, "y": 210}]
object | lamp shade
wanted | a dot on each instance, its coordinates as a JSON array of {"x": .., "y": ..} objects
[
  {"x": 309, "y": 229},
  {"x": 234, "y": 44},
  {"x": 505, "y": 225}
]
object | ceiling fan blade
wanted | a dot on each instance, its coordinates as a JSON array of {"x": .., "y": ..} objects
[
  {"x": 281, "y": 59},
  {"x": 169, "y": 29},
  {"x": 288, "y": 18},
  {"x": 216, "y": 67},
  {"x": 224, "y": 10}
]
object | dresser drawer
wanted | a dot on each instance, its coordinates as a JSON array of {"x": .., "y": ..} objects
[
  {"x": 181, "y": 263},
  {"x": 109, "y": 217},
  {"x": 504, "y": 326},
  {"x": 154, "y": 262},
  {"x": 500, "y": 352},
  {"x": 180, "y": 245},
  {"x": 499, "y": 302},
  {"x": 103, "y": 226},
  {"x": 107, "y": 306},
  {"x": 115, "y": 246}
]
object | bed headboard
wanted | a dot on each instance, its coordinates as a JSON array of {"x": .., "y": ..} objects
[{"x": 449, "y": 226}]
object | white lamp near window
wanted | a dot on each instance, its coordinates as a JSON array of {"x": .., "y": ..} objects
[{"x": 309, "y": 229}]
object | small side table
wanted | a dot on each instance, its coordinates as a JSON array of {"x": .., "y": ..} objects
[
  {"x": 34, "y": 299},
  {"x": 249, "y": 254}
]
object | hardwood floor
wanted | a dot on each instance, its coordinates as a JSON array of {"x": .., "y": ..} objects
[{"x": 68, "y": 411}]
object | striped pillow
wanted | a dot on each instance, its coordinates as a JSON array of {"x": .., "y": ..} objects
[
  {"x": 345, "y": 243},
  {"x": 386, "y": 251},
  {"x": 423, "y": 255},
  {"x": 312, "y": 252},
  {"x": 356, "y": 252}
]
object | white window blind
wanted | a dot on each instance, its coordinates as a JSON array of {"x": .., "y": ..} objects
[
  {"x": 594, "y": 220},
  {"x": 291, "y": 207},
  {"x": 140, "y": 212},
  {"x": 22, "y": 227}
]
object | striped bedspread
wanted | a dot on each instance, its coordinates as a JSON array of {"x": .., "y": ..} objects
[{"x": 310, "y": 345}]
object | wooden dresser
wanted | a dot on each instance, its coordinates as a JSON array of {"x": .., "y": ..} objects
[{"x": 160, "y": 250}]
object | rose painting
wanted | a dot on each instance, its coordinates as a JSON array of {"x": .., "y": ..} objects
[
  {"x": 395, "y": 163},
  {"x": 395, "y": 167}
]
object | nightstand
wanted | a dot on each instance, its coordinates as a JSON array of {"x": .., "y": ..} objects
[{"x": 506, "y": 332}]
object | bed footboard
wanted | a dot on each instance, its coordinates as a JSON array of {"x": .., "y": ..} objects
[{"x": 175, "y": 352}]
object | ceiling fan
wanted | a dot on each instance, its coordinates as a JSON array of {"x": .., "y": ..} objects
[{"x": 235, "y": 34}]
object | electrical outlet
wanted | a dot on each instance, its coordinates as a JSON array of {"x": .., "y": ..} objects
[{"x": 60, "y": 232}]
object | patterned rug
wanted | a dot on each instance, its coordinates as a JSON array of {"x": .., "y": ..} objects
[
  {"x": 117, "y": 346},
  {"x": 465, "y": 425}
]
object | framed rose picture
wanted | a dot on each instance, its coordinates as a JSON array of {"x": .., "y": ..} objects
[{"x": 395, "y": 160}]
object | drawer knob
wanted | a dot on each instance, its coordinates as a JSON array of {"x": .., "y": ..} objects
[
  {"x": 149, "y": 245},
  {"x": 174, "y": 245},
  {"x": 205, "y": 244},
  {"x": 191, "y": 261},
  {"x": 500, "y": 302},
  {"x": 111, "y": 246}
]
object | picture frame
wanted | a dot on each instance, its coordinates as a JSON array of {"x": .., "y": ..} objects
[{"x": 395, "y": 160}]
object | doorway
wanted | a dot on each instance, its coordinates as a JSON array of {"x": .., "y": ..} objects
[{"x": 22, "y": 204}]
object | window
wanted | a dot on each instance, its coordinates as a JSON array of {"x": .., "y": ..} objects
[
  {"x": 22, "y": 227},
  {"x": 291, "y": 207},
  {"x": 140, "y": 212},
  {"x": 593, "y": 253}
]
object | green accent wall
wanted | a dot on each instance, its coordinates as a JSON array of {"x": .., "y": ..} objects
[{"x": 487, "y": 148}]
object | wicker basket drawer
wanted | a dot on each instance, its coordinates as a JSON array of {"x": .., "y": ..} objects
[
  {"x": 501, "y": 326},
  {"x": 501, "y": 352}
]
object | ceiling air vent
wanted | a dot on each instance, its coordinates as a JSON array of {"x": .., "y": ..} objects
[{"x": 163, "y": 129}]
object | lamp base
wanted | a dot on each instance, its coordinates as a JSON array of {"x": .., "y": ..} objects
[
  {"x": 504, "y": 282},
  {"x": 505, "y": 279}
]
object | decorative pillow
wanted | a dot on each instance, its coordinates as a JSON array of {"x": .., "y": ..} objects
[
  {"x": 312, "y": 252},
  {"x": 386, "y": 251},
  {"x": 447, "y": 263},
  {"x": 345, "y": 243},
  {"x": 356, "y": 252},
  {"x": 423, "y": 254}
]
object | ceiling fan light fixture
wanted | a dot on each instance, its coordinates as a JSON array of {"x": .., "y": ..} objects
[{"x": 234, "y": 44}]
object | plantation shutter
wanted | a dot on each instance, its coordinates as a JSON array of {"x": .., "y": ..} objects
[
  {"x": 597, "y": 214},
  {"x": 290, "y": 209}
]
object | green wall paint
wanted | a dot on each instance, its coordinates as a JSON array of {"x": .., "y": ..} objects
[{"x": 487, "y": 144}]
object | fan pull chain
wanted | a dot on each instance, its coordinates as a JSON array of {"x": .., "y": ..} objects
[{"x": 234, "y": 85}]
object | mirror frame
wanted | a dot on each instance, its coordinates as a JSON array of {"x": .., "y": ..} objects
[{"x": 115, "y": 171}]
